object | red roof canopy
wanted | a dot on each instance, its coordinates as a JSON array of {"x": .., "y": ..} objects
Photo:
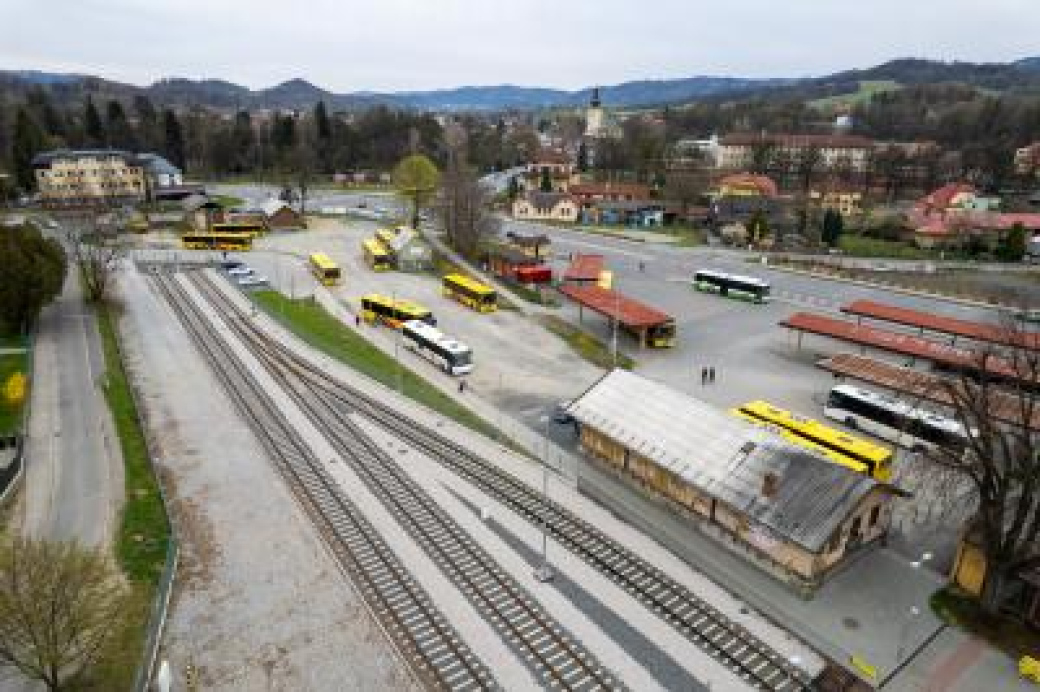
[
  {"x": 947, "y": 325},
  {"x": 612, "y": 304},
  {"x": 895, "y": 342},
  {"x": 584, "y": 268}
]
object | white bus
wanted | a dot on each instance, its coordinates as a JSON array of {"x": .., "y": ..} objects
[
  {"x": 731, "y": 285},
  {"x": 893, "y": 420},
  {"x": 451, "y": 356}
]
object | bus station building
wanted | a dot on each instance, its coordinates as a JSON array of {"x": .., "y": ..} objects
[{"x": 795, "y": 515}]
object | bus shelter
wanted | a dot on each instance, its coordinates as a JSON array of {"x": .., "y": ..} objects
[
  {"x": 907, "y": 345},
  {"x": 648, "y": 325},
  {"x": 584, "y": 269}
]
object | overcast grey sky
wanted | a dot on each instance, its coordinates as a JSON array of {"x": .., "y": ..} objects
[{"x": 345, "y": 45}]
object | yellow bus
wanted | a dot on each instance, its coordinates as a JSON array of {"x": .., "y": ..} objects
[
  {"x": 376, "y": 257},
  {"x": 470, "y": 293},
  {"x": 216, "y": 241},
  {"x": 849, "y": 450},
  {"x": 387, "y": 238},
  {"x": 393, "y": 312},
  {"x": 324, "y": 269},
  {"x": 253, "y": 230},
  {"x": 794, "y": 439}
]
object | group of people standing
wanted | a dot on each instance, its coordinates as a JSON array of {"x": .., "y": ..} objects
[{"x": 708, "y": 374}]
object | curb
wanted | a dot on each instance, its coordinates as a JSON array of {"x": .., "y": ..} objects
[{"x": 894, "y": 289}]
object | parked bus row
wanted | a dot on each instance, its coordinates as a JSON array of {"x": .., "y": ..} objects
[{"x": 884, "y": 417}]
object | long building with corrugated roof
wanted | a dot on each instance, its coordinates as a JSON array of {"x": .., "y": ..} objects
[{"x": 794, "y": 514}]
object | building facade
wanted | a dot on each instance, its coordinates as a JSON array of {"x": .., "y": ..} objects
[
  {"x": 546, "y": 206},
  {"x": 87, "y": 177},
  {"x": 837, "y": 152}
]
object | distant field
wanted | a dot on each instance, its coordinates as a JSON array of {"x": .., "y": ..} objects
[{"x": 866, "y": 90}]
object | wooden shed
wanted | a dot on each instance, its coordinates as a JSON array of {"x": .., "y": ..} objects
[{"x": 790, "y": 512}]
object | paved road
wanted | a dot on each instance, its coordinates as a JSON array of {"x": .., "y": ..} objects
[{"x": 74, "y": 472}]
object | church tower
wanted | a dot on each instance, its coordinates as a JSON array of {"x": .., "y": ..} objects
[{"x": 595, "y": 120}]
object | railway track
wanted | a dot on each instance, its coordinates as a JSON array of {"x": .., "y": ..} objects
[
  {"x": 430, "y": 645},
  {"x": 726, "y": 641},
  {"x": 559, "y": 660}
]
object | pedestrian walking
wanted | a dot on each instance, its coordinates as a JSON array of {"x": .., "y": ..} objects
[
  {"x": 357, "y": 320},
  {"x": 462, "y": 386},
  {"x": 711, "y": 374},
  {"x": 642, "y": 266},
  {"x": 704, "y": 376}
]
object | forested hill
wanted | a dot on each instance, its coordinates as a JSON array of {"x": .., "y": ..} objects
[{"x": 64, "y": 89}]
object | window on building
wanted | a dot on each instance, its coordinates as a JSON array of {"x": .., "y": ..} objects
[
  {"x": 835, "y": 542},
  {"x": 875, "y": 512}
]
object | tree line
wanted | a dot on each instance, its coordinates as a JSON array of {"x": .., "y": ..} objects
[{"x": 209, "y": 143}]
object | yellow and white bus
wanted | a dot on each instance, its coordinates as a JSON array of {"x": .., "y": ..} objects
[
  {"x": 393, "y": 312},
  {"x": 216, "y": 241},
  {"x": 324, "y": 269},
  {"x": 376, "y": 255},
  {"x": 470, "y": 293},
  {"x": 851, "y": 451}
]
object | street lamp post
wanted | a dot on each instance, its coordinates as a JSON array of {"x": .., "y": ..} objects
[{"x": 544, "y": 572}]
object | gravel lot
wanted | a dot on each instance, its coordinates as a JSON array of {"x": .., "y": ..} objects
[
  {"x": 259, "y": 603},
  {"x": 519, "y": 367}
]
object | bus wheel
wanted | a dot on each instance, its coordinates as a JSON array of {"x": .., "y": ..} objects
[{"x": 851, "y": 422}]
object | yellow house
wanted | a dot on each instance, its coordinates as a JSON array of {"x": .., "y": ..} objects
[
  {"x": 791, "y": 513},
  {"x": 89, "y": 176}
]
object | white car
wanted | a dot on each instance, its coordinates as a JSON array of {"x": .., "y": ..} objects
[
  {"x": 239, "y": 271},
  {"x": 252, "y": 280}
]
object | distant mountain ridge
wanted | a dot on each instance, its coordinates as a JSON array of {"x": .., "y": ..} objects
[{"x": 301, "y": 94}]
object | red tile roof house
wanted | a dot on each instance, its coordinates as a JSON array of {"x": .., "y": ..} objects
[{"x": 949, "y": 217}]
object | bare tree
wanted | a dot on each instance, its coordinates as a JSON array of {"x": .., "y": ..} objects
[
  {"x": 97, "y": 250},
  {"x": 999, "y": 470},
  {"x": 60, "y": 605},
  {"x": 465, "y": 203}
]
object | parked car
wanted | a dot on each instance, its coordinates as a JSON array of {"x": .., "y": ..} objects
[
  {"x": 228, "y": 265},
  {"x": 560, "y": 413},
  {"x": 252, "y": 280},
  {"x": 240, "y": 270}
]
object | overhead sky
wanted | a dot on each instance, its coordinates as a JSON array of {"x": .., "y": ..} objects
[{"x": 384, "y": 45}]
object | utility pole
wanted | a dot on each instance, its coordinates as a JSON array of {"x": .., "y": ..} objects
[{"x": 544, "y": 572}]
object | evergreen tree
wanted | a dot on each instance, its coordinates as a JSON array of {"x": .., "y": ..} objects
[
  {"x": 321, "y": 122},
  {"x": 32, "y": 271},
  {"x": 583, "y": 157},
  {"x": 28, "y": 141},
  {"x": 173, "y": 141},
  {"x": 244, "y": 141},
  {"x": 1012, "y": 246},
  {"x": 120, "y": 134},
  {"x": 513, "y": 191},
  {"x": 546, "y": 184},
  {"x": 92, "y": 125},
  {"x": 833, "y": 226}
]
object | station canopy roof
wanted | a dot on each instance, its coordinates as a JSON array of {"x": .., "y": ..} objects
[
  {"x": 584, "y": 268},
  {"x": 903, "y": 344},
  {"x": 979, "y": 331},
  {"x": 612, "y": 304},
  {"x": 924, "y": 386},
  {"x": 725, "y": 457}
]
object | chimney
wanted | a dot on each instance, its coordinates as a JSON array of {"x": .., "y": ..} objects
[{"x": 770, "y": 485}]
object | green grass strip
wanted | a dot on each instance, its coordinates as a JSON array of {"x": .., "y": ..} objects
[
  {"x": 10, "y": 363},
  {"x": 584, "y": 344},
  {"x": 144, "y": 530},
  {"x": 315, "y": 326}
]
